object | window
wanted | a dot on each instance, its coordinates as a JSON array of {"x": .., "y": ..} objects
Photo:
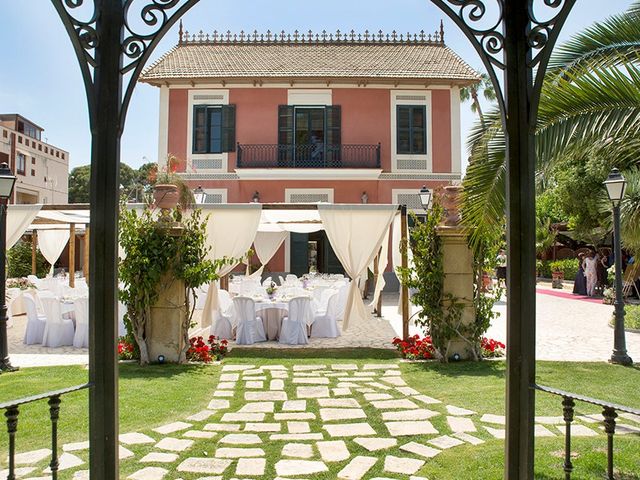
[
  {"x": 40, "y": 146},
  {"x": 33, "y": 160},
  {"x": 21, "y": 163},
  {"x": 33, "y": 172},
  {"x": 19, "y": 139},
  {"x": 214, "y": 128},
  {"x": 411, "y": 130}
]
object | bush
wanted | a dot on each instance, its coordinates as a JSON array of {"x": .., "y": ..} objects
[
  {"x": 568, "y": 266},
  {"x": 19, "y": 261},
  {"x": 632, "y": 317}
]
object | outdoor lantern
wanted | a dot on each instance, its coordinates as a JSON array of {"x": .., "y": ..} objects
[
  {"x": 160, "y": 359},
  {"x": 425, "y": 197},
  {"x": 256, "y": 197},
  {"x": 200, "y": 195},
  {"x": 615, "y": 184},
  {"x": 7, "y": 181}
]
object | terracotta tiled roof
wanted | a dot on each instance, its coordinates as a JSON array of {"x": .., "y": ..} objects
[{"x": 419, "y": 58}]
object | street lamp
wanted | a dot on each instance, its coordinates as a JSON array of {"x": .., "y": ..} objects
[
  {"x": 615, "y": 185},
  {"x": 425, "y": 197},
  {"x": 7, "y": 181},
  {"x": 200, "y": 195}
]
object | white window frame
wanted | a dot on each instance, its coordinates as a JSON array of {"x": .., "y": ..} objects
[
  {"x": 395, "y": 192},
  {"x": 309, "y": 97},
  {"x": 395, "y": 101},
  {"x": 288, "y": 192},
  {"x": 223, "y": 157}
]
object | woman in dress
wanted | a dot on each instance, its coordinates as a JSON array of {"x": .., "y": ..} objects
[
  {"x": 580, "y": 283},
  {"x": 590, "y": 271}
]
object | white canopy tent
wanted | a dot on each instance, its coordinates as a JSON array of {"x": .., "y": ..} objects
[{"x": 358, "y": 233}]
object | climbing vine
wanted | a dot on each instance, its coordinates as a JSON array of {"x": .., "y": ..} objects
[{"x": 154, "y": 257}]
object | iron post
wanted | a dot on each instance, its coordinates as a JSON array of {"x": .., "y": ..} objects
[
  {"x": 619, "y": 355},
  {"x": 5, "y": 362}
]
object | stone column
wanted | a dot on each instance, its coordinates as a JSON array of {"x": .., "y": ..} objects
[{"x": 167, "y": 322}]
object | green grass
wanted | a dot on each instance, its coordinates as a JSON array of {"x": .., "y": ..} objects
[{"x": 156, "y": 395}]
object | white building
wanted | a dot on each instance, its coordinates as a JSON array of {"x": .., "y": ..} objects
[{"x": 42, "y": 170}]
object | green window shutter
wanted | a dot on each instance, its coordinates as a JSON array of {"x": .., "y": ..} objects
[
  {"x": 333, "y": 134},
  {"x": 228, "y": 128},
  {"x": 199, "y": 129},
  {"x": 285, "y": 135}
]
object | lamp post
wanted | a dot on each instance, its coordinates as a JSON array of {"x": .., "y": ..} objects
[
  {"x": 7, "y": 181},
  {"x": 200, "y": 195},
  {"x": 615, "y": 185},
  {"x": 425, "y": 197}
]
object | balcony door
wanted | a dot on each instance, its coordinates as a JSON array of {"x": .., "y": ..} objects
[{"x": 309, "y": 136}]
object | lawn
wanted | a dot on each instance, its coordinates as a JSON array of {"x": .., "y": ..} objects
[{"x": 157, "y": 395}]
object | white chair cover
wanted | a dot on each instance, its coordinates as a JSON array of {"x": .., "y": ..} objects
[
  {"x": 58, "y": 331},
  {"x": 222, "y": 322},
  {"x": 249, "y": 328},
  {"x": 294, "y": 326},
  {"x": 35, "y": 323},
  {"x": 267, "y": 282},
  {"x": 343, "y": 294},
  {"x": 325, "y": 324},
  {"x": 202, "y": 296},
  {"x": 281, "y": 279},
  {"x": 81, "y": 337},
  {"x": 291, "y": 278}
]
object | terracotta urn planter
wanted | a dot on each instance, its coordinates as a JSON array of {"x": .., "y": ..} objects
[
  {"x": 451, "y": 205},
  {"x": 556, "y": 279},
  {"x": 166, "y": 196}
]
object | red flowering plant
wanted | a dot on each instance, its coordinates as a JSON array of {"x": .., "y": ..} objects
[
  {"x": 213, "y": 349},
  {"x": 491, "y": 348},
  {"x": 415, "y": 348},
  {"x": 126, "y": 350}
]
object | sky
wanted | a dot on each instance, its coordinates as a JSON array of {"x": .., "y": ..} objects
[{"x": 40, "y": 77}]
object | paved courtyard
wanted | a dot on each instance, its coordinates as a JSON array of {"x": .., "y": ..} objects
[{"x": 345, "y": 420}]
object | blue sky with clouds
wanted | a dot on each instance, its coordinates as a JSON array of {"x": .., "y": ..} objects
[{"x": 40, "y": 78}]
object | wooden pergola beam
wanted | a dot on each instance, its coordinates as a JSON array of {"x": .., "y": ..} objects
[{"x": 72, "y": 255}]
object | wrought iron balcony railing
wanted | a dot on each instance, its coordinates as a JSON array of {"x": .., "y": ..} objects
[
  {"x": 609, "y": 415},
  {"x": 12, "y": 411},
  {"x": 308, "y": 156}
]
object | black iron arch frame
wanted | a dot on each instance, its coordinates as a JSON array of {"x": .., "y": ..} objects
[{"x": 514, "y": 37}]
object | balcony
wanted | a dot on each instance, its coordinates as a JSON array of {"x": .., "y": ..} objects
[{"x": 308, "y": 156}]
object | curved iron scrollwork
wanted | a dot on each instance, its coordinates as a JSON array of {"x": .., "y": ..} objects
[{"x": 482, "y": 23}]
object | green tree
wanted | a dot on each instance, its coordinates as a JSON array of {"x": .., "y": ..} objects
[
  {"x": 19, "y": 261},
  {"x": 79, "y": 180},
  {"x": 589, "y": 109},
  {"x": 470, "y": 93},
  {"x": 133, "y": 181}
]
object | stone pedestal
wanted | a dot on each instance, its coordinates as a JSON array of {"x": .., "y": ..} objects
[
  {"x": 458, "y": 279},
  {"x": 165, "y": 331}
]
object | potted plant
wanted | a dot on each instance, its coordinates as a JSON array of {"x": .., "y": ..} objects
[
  {"x": 271, "y": 290},
  {"x": 557, "y": 276},
  {"x": 170, "y": 189}
]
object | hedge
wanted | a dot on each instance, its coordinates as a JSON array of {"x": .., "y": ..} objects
[{"x": 568, "y": 266}]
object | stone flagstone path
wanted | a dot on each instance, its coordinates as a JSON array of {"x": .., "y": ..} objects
[{"x": 272, "y": 421}]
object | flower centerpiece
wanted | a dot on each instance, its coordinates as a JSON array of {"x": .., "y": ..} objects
[
  {"x": 21, "y": 283},
  {"x": 271, "y": 290},
  {"x": 305, "y": 281}
]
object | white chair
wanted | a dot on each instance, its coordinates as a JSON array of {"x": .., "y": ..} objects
[
  {"x": 81, "y": 337},
  {"x": 35, "y": 322},
  {"x": 267, "y": 282},
  {"x": 249, "y": 327},
  {"x": 281, "y": 280},
  {"x": 58, "y": 331},
  {"x": 291, "y": 278},
  {"x": 202, "y": 292},
  {"x": 294, "y": 326},
  {"x": 343, "y": 293},
  {"x": 221, "y": 327},
  {"x": 325, "y": 324}
]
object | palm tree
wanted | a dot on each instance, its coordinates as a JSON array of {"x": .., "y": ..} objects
[
  {"x": 590, "y": 104},
  {"x": 485, "y": 87}
]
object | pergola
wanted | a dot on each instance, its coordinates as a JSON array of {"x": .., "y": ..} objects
[{"x": 514, "y": 39}]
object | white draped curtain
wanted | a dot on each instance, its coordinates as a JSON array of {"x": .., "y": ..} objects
[
  {"x": 267, "y": 244},
  {"x": 355, "y": 234},
  {"x": 396, "y": 254},
  {"x": 230, "y": 233},
  {"x": 382, "y": 266},
  {"x": 19, "y": 217},
  {"x": 52, "y": 243}
]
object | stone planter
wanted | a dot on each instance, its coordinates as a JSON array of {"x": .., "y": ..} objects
[
  {"x": 556, "y": 279},
  {"x": 451, "y": 205},
  {"x": 166, "y": 196}
]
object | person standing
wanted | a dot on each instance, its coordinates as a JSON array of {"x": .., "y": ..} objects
[
  {"x": 501, "y": 267},
  {"x": 580, "y": 282},
  {"x": 590, "y": 270}
]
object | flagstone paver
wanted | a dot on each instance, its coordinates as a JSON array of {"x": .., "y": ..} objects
[
  {"x": 296, "y": 436},
  {"x": 218, "y": 404},
  {"x": 135, "y": 438},
  {"x": 422, "y": 427},
  {"x": 222, "y": 427},
  {"x": 420, "y": 449},
  {"x": 294, "y": 406},
  {"x": 294, "y": 416},
  {"x": 338, "y": 402},
  {"x": 374, "y": 444},
  {"x": 223, "y": 393},
  {"x": 74, "y": 447},
  {"x": 199, "y": 434},
  {"x": 298, "y": 450},
  {"x": 272, "y": 395},
  {"x": 243, "y": 417},
  {"x": 542, "y": 431},
  {"x": 300, "y": 467},
  {"x": 239, "y": 453},
  {"x": 497, "y": 419},
  {"x": 251, "y": 466},
  {"x": 226, "y": 385},
  {"x": 262, "y": 427},
  {"x": 19, "y": 472},
  {"x": 496, "y": 432},
  {"x": 229, "y": 377},
  {"x": 357, "y": 468},
  {"x": 65, "y": 462},
  {"x": 459, "y": 411},
  {"x": 204, "y": 465},
  {"x": 469, "y": 438},
  {"x": 377, "y": 396},
  {"x": 257, "y": 407},
  {"x": 417, "y": 414},
  {"x": 333, "y": 450},
  {"x": 461, "y": 424},
  {"x": 426, "y": 399},
  {"x": 159, "y": 457},
  {"x": 403, "y": 403},
  {"x": 241, "y": 439},
  {"x": 445, "y": 442},
  {"x": 200, "y": 416},
  {"x": 298, "y": 427},
  {"x": 332, "y": 414},
  {"x": 312, "y": 392},
  {"x": 349, "y": 430},
  {"x": 579, "y": 431},
  {"x": 149, "y": 473},
  {"x": 35, "y": 456},
  {"x": 172, "y": 427},
  {"x": 405, "y": 465},
  {"x": 174, "y": 444}
]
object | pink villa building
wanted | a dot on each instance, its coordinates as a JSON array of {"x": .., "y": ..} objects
[{"x": 344, "y": 118}]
